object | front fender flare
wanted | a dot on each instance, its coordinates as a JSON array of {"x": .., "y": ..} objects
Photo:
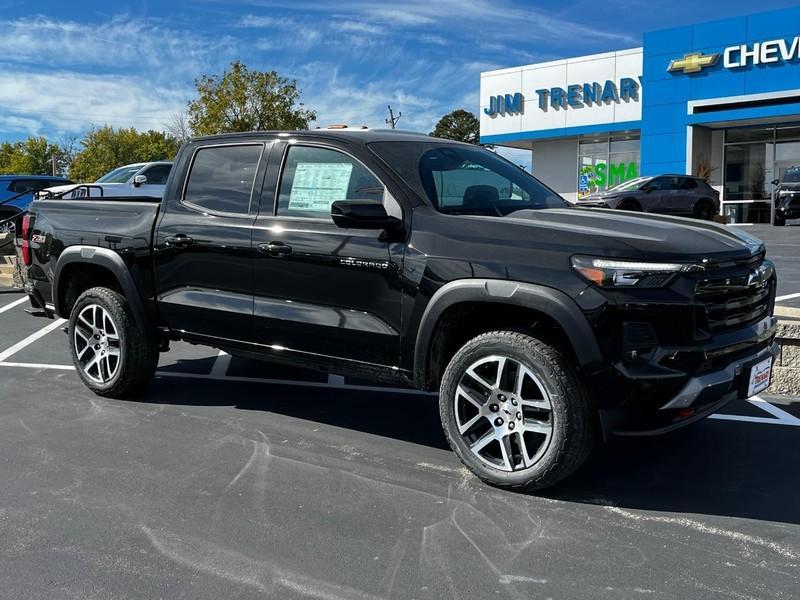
[
  {"x": 108, "y": 259},
  {"x": 551, "y": 302}
]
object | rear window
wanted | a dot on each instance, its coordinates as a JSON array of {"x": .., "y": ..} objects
[
  {"x": 20, "y": 186},
  {"x": 465, "y": 180},
  {"x": 222, "y": 178}
]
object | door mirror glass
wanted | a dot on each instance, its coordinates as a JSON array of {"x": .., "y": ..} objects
[
  {"x": 362, "y": 214},
  {"x": 139, "y": 180}
]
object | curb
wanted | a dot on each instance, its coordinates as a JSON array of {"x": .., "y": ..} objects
[{"x": 786, "y": 372}]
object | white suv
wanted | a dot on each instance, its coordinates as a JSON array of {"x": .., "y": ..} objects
[{"x": 139, "y": 179}]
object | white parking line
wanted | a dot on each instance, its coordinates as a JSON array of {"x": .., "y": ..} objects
[
  {"x": 779, "y": 416},
  {"x": 11, "y": 305},
  {"x": 30, "y": 339},
  {"x": 787, "y": 297}
]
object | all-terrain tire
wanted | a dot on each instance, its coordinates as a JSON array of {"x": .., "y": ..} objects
[
  {"x": 574, "y": 419},
  {"x": 138, "y": 351}
]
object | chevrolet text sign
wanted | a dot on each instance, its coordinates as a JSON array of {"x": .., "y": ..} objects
[{"x": 761, "y": 53}]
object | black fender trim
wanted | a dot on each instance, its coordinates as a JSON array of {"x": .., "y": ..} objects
[
  {"x": 110, "y": 260},
  {"x": 551, "y": 302}
]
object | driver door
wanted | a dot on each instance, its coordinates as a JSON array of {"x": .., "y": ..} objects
[{"x": 322, "y": 292}]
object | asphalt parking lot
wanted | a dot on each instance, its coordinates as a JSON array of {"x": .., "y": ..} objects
[
  {"x": 224, "y": 481},
  {"x": 783, "y": 247}
]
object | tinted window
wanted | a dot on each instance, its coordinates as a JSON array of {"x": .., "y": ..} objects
[
  {"x": 314, "y": 178},
  {"x": 30, "y": 185},
  {"x": 465, "y": 180},
  {"x": 687, "y": 184},
  {"x": 221, "y": 179},
  {"x": 158, "y": 174},
  {"x": 660, "y": 183}
]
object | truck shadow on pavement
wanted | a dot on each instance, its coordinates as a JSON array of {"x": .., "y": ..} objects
[{"x": 722, "y": 468}]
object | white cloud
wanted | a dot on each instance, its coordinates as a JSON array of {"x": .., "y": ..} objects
[
  {"x": 117, "y": 43},
  {"x": 265, "y": 22},
  {"x": 67, "y": 102}
]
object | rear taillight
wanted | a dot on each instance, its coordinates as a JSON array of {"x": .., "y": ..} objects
[{"x": 26, "y": 240}]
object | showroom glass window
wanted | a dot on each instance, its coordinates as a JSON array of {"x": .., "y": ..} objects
[
  {"x": 606, "y": 162},
  {"x": 757, "y": 163}
]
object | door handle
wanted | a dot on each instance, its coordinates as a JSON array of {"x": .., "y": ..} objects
[
  {"x": 179, "y": 241},
  {"x": 275, "y": 249}
]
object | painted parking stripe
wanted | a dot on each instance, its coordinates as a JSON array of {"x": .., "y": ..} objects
[
  {"x": 787, "y": 297},
  {"x": 11, "y": 305},
  {"x": 30, "y": 339},
  {"x": 779, "y": 416}
]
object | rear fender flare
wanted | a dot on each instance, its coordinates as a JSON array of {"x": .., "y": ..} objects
[
  {"x": 551, "y": 302},
  {"x": 103, "y": 257}
]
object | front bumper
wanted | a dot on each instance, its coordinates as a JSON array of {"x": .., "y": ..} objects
[{"x": 656, "y": 401}]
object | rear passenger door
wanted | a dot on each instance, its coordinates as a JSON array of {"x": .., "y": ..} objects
[
  {"x": 321, "y": 292},
  {"x": 203, "y": 248},
  {"x": 683, "y": 195}
]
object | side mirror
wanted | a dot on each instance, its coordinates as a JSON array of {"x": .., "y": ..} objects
[
  {"x": 646, "y": 189},
  {"x": 362, "y": 214},
  {"x": 775, "y": 181},
  {"x": 139, "y": 180}
]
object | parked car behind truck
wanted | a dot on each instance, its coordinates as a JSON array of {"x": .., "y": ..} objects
[
  {"x": 541, "y": 326},
  {"x": 138, "y": 179},
  {"x": 681, "y": 195},
  {"x": 16, "y": 194}
]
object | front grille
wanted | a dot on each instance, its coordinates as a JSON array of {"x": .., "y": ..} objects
[{"x": 732, "y": 302}]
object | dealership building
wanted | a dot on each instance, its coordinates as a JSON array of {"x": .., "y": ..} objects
[{"x": 718, "y": 99}]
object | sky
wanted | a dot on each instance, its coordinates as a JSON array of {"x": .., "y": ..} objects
[{"x": 66, "y": 66}]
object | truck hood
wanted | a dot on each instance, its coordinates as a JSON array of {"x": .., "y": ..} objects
[{"x": 639, "y": 235}]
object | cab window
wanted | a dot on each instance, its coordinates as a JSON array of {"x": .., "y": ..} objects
[
  {"x": 314, "y": 178},
  {"x": 222, "y": 177}
]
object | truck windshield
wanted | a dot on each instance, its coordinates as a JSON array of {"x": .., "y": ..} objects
[
  {"x": 460, "y": 179},
  {"x": 119, "y": 175}
]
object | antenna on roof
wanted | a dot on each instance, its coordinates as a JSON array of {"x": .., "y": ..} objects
[{"x": 392, "y": 120}]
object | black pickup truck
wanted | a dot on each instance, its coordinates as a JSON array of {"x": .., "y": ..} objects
[{"x": 423, "y": 262}]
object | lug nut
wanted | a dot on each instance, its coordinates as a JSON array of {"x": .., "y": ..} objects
[
  {"x": 514, "y": 401},
  {"x": 494, "y": 407},
  {"x": 519, "y": 416},
  {"x": 501, "y": 397},
  {"x": 511, "y": 425},
  {"x": 498, "y": 421}
]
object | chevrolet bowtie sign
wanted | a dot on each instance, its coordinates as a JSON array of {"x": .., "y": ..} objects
[{"x": 694, "y": 62}]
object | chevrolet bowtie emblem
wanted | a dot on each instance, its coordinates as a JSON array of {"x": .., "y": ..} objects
[{"x": 694, "y": 62}]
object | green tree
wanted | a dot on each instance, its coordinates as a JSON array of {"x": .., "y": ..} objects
[
  {"x": 106, "y": 148},
  {"x": 32, "y": 156},
  {"x": 460, "y": 125},
  {"x": 245, "y": 100}
]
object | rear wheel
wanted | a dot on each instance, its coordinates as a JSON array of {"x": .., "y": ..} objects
[
  {"x": 515, "y": 411},
  {"x": 704, "y": 210},
  {"x": 113, "y": 356},
  {"x": 779, "y": 221}
]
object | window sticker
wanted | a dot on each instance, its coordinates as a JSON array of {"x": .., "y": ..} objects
[{"x": 317, "y": 185}]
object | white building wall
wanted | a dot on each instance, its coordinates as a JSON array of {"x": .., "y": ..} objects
[
  {"x": 599, "y": 68},
  {"x": 555, "y": 163}
]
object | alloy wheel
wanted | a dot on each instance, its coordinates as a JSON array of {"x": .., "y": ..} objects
[
  {"x": 503, "y": 413},
  {"x": 97, "y": 345}
]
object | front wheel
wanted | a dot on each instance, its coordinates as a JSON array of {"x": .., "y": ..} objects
[
  {"x": 114, "y": 357},
  {"x": 515, "y": 411}
]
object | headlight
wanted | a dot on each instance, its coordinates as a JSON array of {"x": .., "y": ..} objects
[{"x": 610, "y": 273}]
